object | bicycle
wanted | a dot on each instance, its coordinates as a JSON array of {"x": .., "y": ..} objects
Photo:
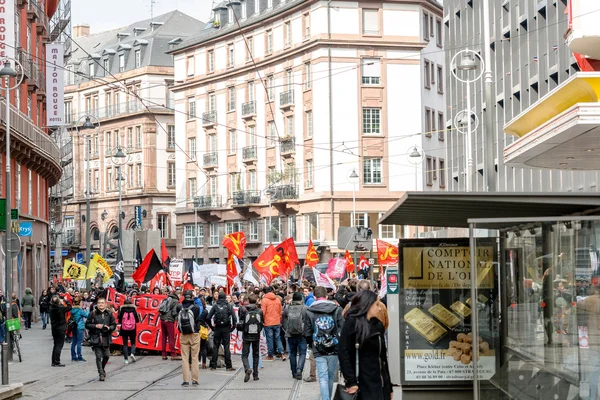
[{"x": 13, "y": 326}]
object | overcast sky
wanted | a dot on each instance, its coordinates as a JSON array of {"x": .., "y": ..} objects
[{"x": 112, "y": 14}]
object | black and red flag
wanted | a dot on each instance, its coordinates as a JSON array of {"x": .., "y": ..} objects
[{"x": 149, "y": 267}]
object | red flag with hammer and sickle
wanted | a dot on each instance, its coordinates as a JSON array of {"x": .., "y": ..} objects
[
  {"x": 312, "y": 257},
  {"x": 269, "y": 264},
  {"x": 386, "y": 253},
  {"x": 236, "y": 243},
  {"x": 350, "y": 266}
]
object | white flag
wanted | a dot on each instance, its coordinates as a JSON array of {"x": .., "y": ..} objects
[
  {"x": 249, "y": 276},
  {"x": 323, "y": 280}
]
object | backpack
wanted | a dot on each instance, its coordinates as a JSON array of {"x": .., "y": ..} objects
[
  {"x": 185, "y": 321},
  {"x": 165, "y": 306},
  {"x": 222, "y": 315},
  {"x": 253, "y": 323},
  {"x": 128, "y": 321},
  {"x": 295, "y": 322},
  {"x": 325, "y": 336}
]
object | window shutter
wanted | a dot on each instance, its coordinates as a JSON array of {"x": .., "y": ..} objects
[
  {"x": 370, "y": 21},
  {"x": 371, "y": 67}
]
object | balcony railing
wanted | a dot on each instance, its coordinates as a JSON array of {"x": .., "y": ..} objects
[
  {"x": 209, "y": 118},
  {"x": 249, "y": 153},
  {"x": 246, "y": 197},
  {"x": 211, "y": 159},
  {"x": 286, "y": 98},
  {"x": 288, "y": 146},
  {"x": 124, "y": 108},
  {"x": 284, "y": 192},
  {"x": 204, "y": 202},
  {"x": 249, "y": 109},
  {"x": 68, "y": 237}
]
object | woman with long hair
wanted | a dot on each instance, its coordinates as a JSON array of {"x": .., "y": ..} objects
[
  {"x": 44, "y": 303},
  {"x": 204, "y": 327},
  {"x": 363, "y": 329}
]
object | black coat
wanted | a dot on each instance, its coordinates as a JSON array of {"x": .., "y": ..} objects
[
  {"x": 128, "y": 308},
  {"x": 374, "y": 376},
  {"x": 101, "y": 336},
  {"x": 44, "y": 303},
  {"x": 242, "y": 311},
  {"x": 57, "y": 316}
]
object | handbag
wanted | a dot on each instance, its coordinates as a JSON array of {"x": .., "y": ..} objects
[
  {"x": 340, "y": 390},
  {"x": 203, "y": 332}
]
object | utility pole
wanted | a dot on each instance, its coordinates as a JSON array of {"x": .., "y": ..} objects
[{"x": 490, "y": 167}]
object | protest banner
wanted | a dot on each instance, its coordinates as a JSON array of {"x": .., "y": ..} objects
[
  {"x": 176, "y": 271},
  {"x": 336, "y": 268}
]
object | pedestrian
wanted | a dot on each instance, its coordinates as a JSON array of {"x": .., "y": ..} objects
[
  {"x": 44, "y": 305},
  {"x": 15, "y": 308},
  {"x": 188, "y": 323},
  {"x": 203, "y": 334},
  {"x": 168, "y": 314},
  {"x": 251, "y": 325},
  {"x": 2, "y": 317},
  {"x": 326, "y": 323},
  {"x": 58, "y": 310},
  {"x": 363, "y": 334},
  {"x": 101, "y": 324},
  {"x": 309, "y": 298},
  {"x": 224, "y": 323},
  {"x": 296, "y": 327},
  {"x": 273, "y": 310},
  {"x": 128, "y": 318},
  {"x": 79, "y": 315},
  {"x": 28, "y": 306}
]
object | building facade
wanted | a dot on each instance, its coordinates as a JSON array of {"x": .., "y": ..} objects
[
  {"x": 278, "y": 103},
  {"x": 121, "y": 80}
]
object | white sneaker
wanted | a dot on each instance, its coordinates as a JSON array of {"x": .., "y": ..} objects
[
  {"x": 126, "y": 362},
  {"x": 132, "y": 358}
]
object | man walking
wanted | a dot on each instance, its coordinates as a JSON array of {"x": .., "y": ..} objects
[
  {"x": 251, "y": 324},
  {"x": 224, "y": 323},
  {"x": 188, "y": 323},
  {"x": 326, "y": 323},
  {"x": 297, "y": 327},
  {"x": 58, "y": 319},
  {"x": 272, "y": 310},
  {"x": 101, "y": 324},
  {"x": 168, "y": 313}
]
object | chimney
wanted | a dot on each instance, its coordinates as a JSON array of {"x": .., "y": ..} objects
[{"x": 81, "y": 30}]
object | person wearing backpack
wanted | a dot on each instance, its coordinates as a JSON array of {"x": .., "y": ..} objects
[
  {"x": 296, "y": 326},
  {"x": 251, "y": 325},
  {"x": 188, "y": 323},
  {"x": 273, "y": 310},
  {"x": 128, "y": 318},
  {"x": 224, "y": 323},
  {"x": 326, "y": 322},
  {"x": 78, "y": 315},
  {"x": 167, "y": 312}
]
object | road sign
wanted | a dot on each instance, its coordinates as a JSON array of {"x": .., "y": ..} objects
[
  {"x": 14, "y": 213},
  {"x": 392, "y": 281},
  {"x": 351, "y": 238},
  {"x": 15, "y": 245},
  {"x": 371, "y": 261},
  {"x": 2, "y": 214},
  {"x": 138, "y": 217}
]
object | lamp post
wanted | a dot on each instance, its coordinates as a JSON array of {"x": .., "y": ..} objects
[
  {"x": 120, "y": 158},
  {"x": 103, "y": 218},
  {"x": 353, "y": 178},
  {"x": 196, "y": 206},
  {"x": 416, "y": 157},
  {"x": 467, "y": 63}
]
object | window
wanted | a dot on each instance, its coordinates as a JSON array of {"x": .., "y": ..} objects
[
  {"x": 193, "y": 186},
  {"x": 138, "y": 58},
  {"x": 211, "y": 61},
  {"x": 192, "y": 148},
  {"x": 288, "y": 33},
  {"x": 272, "y": 134},
  {"x": 269, "y": 3},
  {"x": 212, "y": 143},
  {"x": 236, "y": 226},
  {"x": 96, "y": 145},
  {"x": 387, "y": 231},
  {"x": 139, "y": 179},
  {"x": 254, "y": 230},
  {"x": 441, "y": 125},
  {"x": 307, "y": 76},
  {"x": 121, "y": 62},
  {"x": 308, "y": 118},
  {"x": 256, "y": 6},
  {"x": 429, "y": 171},
  {"x": 427, "y": 75},
  {"x": 289, "y": 126},
  {"x": 232, "y": 141},
  {"x": 438, "y": 32},
  {"x": 117, "y": 138},
  {"x": 309, "y": 173},
  {"x": 171, "y": 174},
  {"x": 251, "y": 136},
  {"x": 372, "y": 171},
  {"x": 130, "y": 174},
  {"x": 234, "y": 183},
  {"x": 271, "y": 87},
  {"x": 425, "y": 26},
  {"x": 244, "y": 13},
  {"x": 440, "y": 79},
  {"x": 106, "y": 66},
  {"x": 92, "y": 69},
  {"x": 306, "y": 21},
  {"x": 108, "y": 142},
  {"x": 361, "y": 219},
  {"x": 311, "y": 227},
  {"x": 249, "y": 48},
  {"x": 138, "y": 137},
  {"x": 191, "y": 63},
  {"x": 370, "y": 21},
  {"x": 252, "y": 179},
  {"x": 96, "y": 180},
  {"x": 269, "y": 45},
  {"x": 212, "y": 102},
  {"x": 163, "y": 225},
  {"x": 231, "y": 55},
  {"x": 371, "y": 71},
  {"x": 433, "y": 73},
  {"x": 190, "y": 238},
  {"x": 371, "y": 121},
  {"x": 273, "y": 232},
  {"x": 68, "y": 112},
  {"x": 442, "y": 173},
  {"x": 230, "y": 16},
  {"x": 250, "y": 90},
  {"x": 428, "y": 127},
  {"x": 109, "y": 179},
  {"x": 191, "y": 108},
  {"x": 231, "y": 98},
  {"x": 289, "y": 79},
  {"x": 291, "y": 220},
  {"x": 214, "y": 233},
  {"x": 129, "y": 137},
  {"x": 117, "y": 105}
]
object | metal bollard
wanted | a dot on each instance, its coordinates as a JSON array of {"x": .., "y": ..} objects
[{"x": 5, "y": 353}]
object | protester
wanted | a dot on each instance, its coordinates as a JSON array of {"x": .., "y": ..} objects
[
  {"x": 363, "y": 329},
  {"x": 382, "y": 313},
  {"x": 203, "y": 334},
  {"x": 58, "y": 309},
  {"x": 326, "y": 322},
  {"x": 79, "y": 316},
  {"x": 297, "y": 327},
  {"x": 272, "y": 310},
  {"x": 224, "y": 323},
  {"x": 44, "y": 304},
  {"x": 168, "y": 313},
  {"x": 156, "y": 290},
  {"x": 251, "y": 325},
  {"x": 188, "y": 323},
  {"x": 28, "y": 305},
  {"x": 309, "y": 298},
  {"x": 101, "y": 324},
  {"x": 2, "y": 317},
  {"x": 128, "y": 318},
  {"x": 344, "y": 297}
]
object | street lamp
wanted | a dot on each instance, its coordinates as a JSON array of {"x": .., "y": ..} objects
[
  {"x": 196, "y": 206},
  {"x": 353, "y": 178},
  {"x": 467, "y": 61},
  {"x": 120, "y": 158},
  {"x": 416, "y": 157}
]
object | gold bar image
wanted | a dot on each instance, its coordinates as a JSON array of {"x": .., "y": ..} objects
[
  {"x": 444, "y": 315},
  {"x": 461, "y": 309},
  {"x": 425, "y": 325}
]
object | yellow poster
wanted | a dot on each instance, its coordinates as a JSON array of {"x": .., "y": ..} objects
[{"x": 73, "y": 270}]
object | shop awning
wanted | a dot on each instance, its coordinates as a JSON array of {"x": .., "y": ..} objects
[{"x": 453, "y": 209}]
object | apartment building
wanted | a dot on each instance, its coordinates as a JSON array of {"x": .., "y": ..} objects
[
  {"x": 121, "y": 79},
  {"x": 279, "y": 102}
]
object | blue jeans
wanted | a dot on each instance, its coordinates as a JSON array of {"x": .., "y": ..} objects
[
  {"x": 274, "y": 339},
  {"x": 2, "y": 332},
  {"x": 76, "y": 344},
  {"x": 297, "y": 348},
  {"x": 251, "y": 360},
  {"x": 44, "y": 315},
  {"x": 326, "y": 367}
]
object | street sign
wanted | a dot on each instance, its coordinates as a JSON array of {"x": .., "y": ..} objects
[
  {"x": 371, "y": 261},
  {"x": 63, "y": 253},
  {"x": 26, "y": 229},
  {"x": 392, "y": 281},
  {"x": 15, "y": 226},
  {"x": 14, "y": 213},
  {"x": 15, "y": 245},
  {"x": 138, "y": 217},
  {"x": 2, "y": 214}
]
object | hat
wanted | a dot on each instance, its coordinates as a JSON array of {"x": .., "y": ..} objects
[
  {"x": 188, "y": 295},
  {"x": 296, "y": 297},
  {"x": 222, "y": 296}
]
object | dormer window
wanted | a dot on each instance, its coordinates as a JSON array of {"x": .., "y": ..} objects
[
  {"x": 230, "y": 15},
  {"x": 270, "y": 4},
  {"x": 138, "y": 58},
  {"x": 121, "y": 36},
  {"x": 244, "y": 10},
  {"x": 121, "y": 62},
  {"x": 155, "y": 25},
  {"x": 92, "y": 68},
  {"x": 138, "y": 31},
  {"x": 256, "y": 6},
  {"x": 107, "y": 66}
]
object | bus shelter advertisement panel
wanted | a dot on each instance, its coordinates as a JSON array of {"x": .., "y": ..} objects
[{"x": 436, "y": 309}]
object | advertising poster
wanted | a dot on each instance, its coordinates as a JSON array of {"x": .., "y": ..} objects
[{"x": 436, "y": 309}]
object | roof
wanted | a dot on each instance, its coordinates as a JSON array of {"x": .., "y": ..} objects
[{"x": 454, "y": 209}]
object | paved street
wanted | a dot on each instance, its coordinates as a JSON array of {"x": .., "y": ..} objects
[{"x": 149, "y": 378}]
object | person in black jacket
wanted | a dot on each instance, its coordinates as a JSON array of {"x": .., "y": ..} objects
[
  {"x": 128, "y": 318},
  {"x": 44, "y": 304},
  {"x": 362, "y": 327},
  {"x": 58, "y": 309},
  {"x": 225, "y": 323},
  {"x": 250, "y": 337},
  {"x": 101, "y": 324},
  {"x": 203, "y": 342}
]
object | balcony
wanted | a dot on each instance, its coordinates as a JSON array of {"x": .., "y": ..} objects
[
  {"x": 68, "y": 237},
  {"x": 286, "y": 99},
  {"x": 210, "y": 160},
  {"x": 249, "y": 153},
  {"x": 155, "y": 105},
  {"x": 243, "y": 198},
  {"x": 287, "y": 146},
  {"x": 284, "y": 192},
  {"x": 209, "y": 118},
  {"x": 207, "y": 202},
  {"x": 249, "y": 109}
]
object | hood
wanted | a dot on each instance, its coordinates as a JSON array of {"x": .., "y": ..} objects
[
  {"x": 188, "y": 303},
  {"x": 128, "y": 307},
  {"x": 251, "y": 307},
  {"x": 297, "y": 303},
  {"x": 222, "y": 301},
  {"x": 270, "y": 296},
  {"x": 174, "y": 296},
  {"x": 323, "y": 306},
  {"x": 28, "y": 291}
]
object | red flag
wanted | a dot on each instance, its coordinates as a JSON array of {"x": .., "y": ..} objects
[
  {"x": 386, "y": 253},
  {"x": 166, "y": 260},
  {"x": 363, "y": 264},
  {"x": 159, "y": 281},
  {"x": 149, "y": 267},
  {"x": 312, "y": 258},
  {"x": 269, "y": 264},
  {"x": 232, "y": 271},
  {"x": 187, "y": 285},
  {"x": 289, "y": 255},
  {"x": 350, "y": 266},
  {"x": 236, "y": 244}
]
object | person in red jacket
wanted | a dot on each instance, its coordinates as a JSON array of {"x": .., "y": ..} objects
[{"x": 272, "y": 310}]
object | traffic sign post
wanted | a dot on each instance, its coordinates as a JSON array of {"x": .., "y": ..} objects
[
  {"x": 392, "y": 281},
  {"x": 2, "y": 214}
]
